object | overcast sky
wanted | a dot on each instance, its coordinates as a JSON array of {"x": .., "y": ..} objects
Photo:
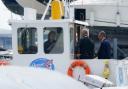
[{"x": 5, "y": 15}]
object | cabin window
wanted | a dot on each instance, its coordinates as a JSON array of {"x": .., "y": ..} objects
[
  {"x": 53, "y": 40},
  {"x": 27, "y": 40}
]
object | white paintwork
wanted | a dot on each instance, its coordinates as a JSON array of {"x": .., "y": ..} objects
[
  {"x": 5, "y": 52},
  {"x": 99, "y": 2},
  {"x": 92, "y": 19},
  {"x": 104, "y": 10},
  {"x": 33, "y": 78},
  {"x": 30, "y": 14},
  {"x": 13, "y": 77},
  {"x": 61, "y": 61},
  {"x": 126, "y": 87},
  {"x": 96, "y": 81},
  {"x": 122, "y": 68}
]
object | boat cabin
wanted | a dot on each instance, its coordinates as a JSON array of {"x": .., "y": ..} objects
[{"x": 53, "y": 40}]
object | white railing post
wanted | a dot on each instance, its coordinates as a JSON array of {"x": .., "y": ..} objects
[{"x": 46, "y": 10}]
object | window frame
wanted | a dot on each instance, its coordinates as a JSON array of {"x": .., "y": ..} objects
[
  {"x": 45, "y": 28},
  {"x": 36, "y": 39}
]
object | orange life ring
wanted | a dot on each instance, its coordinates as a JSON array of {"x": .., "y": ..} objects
[{"x": 79, "y": 63}]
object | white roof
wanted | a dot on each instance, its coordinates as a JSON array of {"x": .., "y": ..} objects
[{"x": 99, "y": 2}]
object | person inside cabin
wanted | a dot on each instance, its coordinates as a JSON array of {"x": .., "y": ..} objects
[
  {"x": 104, "y": 51},
  {"x": 86, "y": 46},
  {"x": 50, "y": 43}
]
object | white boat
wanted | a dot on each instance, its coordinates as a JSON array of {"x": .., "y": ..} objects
[
  {"x": 19, "y": 78},
  {"x": 107, "y": 15},
  {"x": 29, "y": 36}
]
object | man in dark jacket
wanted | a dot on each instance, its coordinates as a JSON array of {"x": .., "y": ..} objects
[
  {"x": 105, "y": 47},
  {"x": 86, "y": 46},
  {"x": 50, "y": 43}
]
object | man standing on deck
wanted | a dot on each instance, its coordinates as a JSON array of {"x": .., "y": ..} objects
[
  {"x": 105, "y": 47},
  {"x": 86, "y": 46}
]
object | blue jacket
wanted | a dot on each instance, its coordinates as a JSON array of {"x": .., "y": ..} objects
[{"x": 104, "y": 50}]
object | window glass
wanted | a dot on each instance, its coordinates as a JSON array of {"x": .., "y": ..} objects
[
  {"x": 53, "y": 40},
  {"x": 27, "y": 40}
]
